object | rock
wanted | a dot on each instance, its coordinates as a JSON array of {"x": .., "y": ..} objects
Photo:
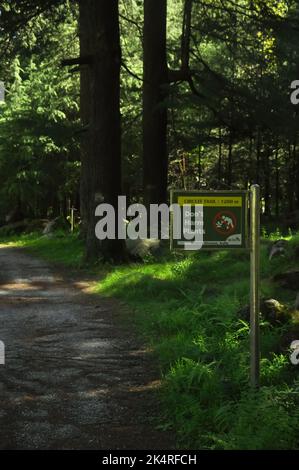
[
  {"x": 274, "y": 312},
  {"x": 56, "y": 224},
  {"x": 288, "y": 279},
  {"x": 278, "y": 248},
  {"x": 140, "y": 248},
  {"x": 271, "y": 310}
]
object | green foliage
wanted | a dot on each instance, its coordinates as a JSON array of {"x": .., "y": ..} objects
[{"x": 38, "y": 150}]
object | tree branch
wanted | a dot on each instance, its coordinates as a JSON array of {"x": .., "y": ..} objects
[
  {"x": 84, "y": 60},
  {"x": 184, "y": 73},
  {"x": 186, "y": 34},
  {"x": 130, "y": 72},
  {"x": 180, "y": 75}
]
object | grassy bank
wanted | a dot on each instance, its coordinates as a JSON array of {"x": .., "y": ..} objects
[{"x": 188, "y": 307}]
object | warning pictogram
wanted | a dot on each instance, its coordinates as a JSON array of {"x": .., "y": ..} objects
[{"x": 225, "y": 223}]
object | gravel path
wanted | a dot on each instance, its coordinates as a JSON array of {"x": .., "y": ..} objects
[{"x": 75, "y": 377}]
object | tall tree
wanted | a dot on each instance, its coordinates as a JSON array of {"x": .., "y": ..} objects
[
  {"x": 99, "y": 61},
  {"x": 102, "y": 167},
  {"x": 155, "y": 79},
  {"x": 86, "y": 45}
]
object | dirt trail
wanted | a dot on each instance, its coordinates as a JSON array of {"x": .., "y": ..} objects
[{"x": 74, "y": 377}]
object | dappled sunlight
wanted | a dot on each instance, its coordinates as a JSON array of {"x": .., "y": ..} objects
[
  {"x": 154, "y": 385},
  {"x": 18, "y": 286}
]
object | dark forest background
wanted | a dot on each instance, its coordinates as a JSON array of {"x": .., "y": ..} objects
[{"x": 137, "y": 97}]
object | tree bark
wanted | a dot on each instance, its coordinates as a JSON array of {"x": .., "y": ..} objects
[
  {"x": 102, "y": 150},
  {"x": 230, "y": 158},
  {"x": 85, "y": 25},
  {"x": 267, "y": 178},
  {"x": 219, "y": 155},
  {"x": 277, "y": 186},
  {"x": 258, "y": 156},
  {"x": 290, "y": 186},
  {"x": 155, "y": 80}
]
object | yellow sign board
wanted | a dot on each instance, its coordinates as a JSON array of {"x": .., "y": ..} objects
[
  {"x": 211, "y": 201},
  {"x": 224, "y": 218}
]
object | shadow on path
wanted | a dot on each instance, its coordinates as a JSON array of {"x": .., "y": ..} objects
[{"x": 75, "y": 377}]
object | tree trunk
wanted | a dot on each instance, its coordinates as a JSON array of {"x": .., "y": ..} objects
[
  {"x": 290, "y": 185},
  {"x": 86, "y": 44},
  {"x": 230, "y": 159},
  {"x": 267, "y": 178},
  {"x": 296, "y": 156},
  {"x": 277, "y": 187},
  {"x": 103, "y": 163},
  {"x": 250, "y": 177},
  {"x": 258, "y": 156},
  {"x": 199, "y": 167},
  {"x": 219, "y": 155},
  {"x": 155, "y": 76}
]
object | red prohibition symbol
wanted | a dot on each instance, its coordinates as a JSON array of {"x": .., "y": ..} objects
[{"x": 225, "y": 222}]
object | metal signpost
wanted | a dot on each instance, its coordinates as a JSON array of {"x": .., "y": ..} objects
[
  {"x": 254, "y": 285},
  {"x": 225, "y": 226}
]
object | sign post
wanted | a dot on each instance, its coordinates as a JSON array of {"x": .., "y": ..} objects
[
  {"x": 224, "y": 225},
  {"x": 254, "y": 285},
  {"x": 72, "y": 218}
]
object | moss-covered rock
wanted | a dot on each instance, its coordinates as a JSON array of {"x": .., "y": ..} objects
[{"x": 271, "y": 310}]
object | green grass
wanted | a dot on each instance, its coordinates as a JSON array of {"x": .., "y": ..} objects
[
  {"x": 186, "y": 306},
  {"x": 60, "y": 249}
]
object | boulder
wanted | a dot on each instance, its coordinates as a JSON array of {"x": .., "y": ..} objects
[
  {"x": 274, "y": 312},
  {"x": 271, "y": 310},
  {"x": 141, "y": 248},
  {"x": 56, "y": 224},
  {"x": 277, "y": 248},
  {"x": 288, "y": 279}
]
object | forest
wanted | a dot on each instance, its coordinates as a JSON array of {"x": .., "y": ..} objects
[
  {"x": 195, "y": 96},
  {"x": 136, "y": 98}
]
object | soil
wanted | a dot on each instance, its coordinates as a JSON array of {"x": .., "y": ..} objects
[{"x": 76, "y": 376}]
